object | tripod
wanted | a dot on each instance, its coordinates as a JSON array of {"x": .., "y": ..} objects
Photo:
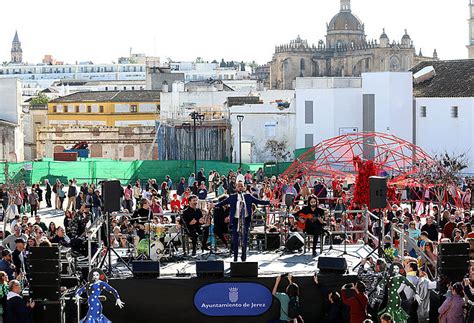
[
  {"x": 344, "y": 251},
  {"x": 110, "y": 249}
]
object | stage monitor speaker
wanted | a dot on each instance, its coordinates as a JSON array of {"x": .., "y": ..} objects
[
  {"x": 378, "y": 192},
  {"x": 111, "y": 192},
  {"x": 295, "y": 242},
  {"x": 273, "y": 241},
  {"x": 332, "y": 265},
  {"x": 145, "y": 269},
  {"x": 244, "y": 269},
  {"x": 210, "y": 268}
]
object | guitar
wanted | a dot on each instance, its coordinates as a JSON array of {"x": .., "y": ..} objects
[{"x": 310, "y": 224}]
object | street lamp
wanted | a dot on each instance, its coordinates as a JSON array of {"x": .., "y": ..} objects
[
  {"x": 240, "y": 118},
  {"x": 196, "y": 116}
]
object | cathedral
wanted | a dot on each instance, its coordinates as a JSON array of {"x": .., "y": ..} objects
[{"x": 346, "y": 52}]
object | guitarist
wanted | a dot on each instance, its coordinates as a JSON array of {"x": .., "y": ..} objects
[{"x": 312, "y": 216}]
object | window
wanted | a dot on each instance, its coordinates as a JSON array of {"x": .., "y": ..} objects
[
  {"x": 302, "y": 64},
  {"x": 106, "y": 88},
  {"x": 308, "y": 113},
  {"x": 124, "y": 88},
  {"x": 454, "y": 112},
  {"x": 423, "y": 111},
  {"x": 89, "y": 109},
  {"x": 133, "y": 108},
  {"x": 308, "y": 140},
  {"x": 55, "y": 109},
  {"x": 101, "y": 109},
  {"x": 77, "y": 109}
]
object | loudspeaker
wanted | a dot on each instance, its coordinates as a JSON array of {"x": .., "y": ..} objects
[
  {"x": 378, "y": 192},
  {"x": 45, "y": 266},
  {"x": 453, "y": 261},
  {"x": 39, "y": 278},
  {"x": 213, "y": 268},
  {"x": 295, "y": 242},
  {"x": 145, "y": 269},
  {"x": 244, "y": 269},
  {"x": 42, "y": 253},
  {"x": 273, "y": 241},
  {"x": 332, "y": 265},
  {"x": 42, "y": 292},
  {"x": 453, "y": 248},
  {"x": 111, "y": 191}
]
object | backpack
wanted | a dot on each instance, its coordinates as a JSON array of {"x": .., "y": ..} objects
[
  {"x": 293, "y": 307},
  {"x": 55, "y": 188}
]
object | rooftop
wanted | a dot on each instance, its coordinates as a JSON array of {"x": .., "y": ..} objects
[
  {"x": 453, "y": 79},
  {"x": 111, "y": 96}
]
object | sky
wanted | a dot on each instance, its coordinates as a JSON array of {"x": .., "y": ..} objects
[{"x": 244, "y": 30}]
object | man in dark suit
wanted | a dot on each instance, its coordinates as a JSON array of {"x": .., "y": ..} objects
[
  {"x": 192, "y": 219},
  {"x": 240, "y": 215}
]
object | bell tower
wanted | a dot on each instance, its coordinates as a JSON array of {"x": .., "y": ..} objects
[
  {"x": 470, "y": 46},
  {"x": 16, "y": 52}
]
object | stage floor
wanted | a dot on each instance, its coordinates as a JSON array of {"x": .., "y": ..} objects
[{"x": 270, "y": 263}]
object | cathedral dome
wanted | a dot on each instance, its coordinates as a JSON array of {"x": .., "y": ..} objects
[{"x": 345, "y": 20}]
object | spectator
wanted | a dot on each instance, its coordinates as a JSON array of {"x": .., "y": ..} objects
[
  {"x": 337, "y": 311},
  {"x": 3, "y": 294},
  {"x": 6, "y": 264},
  {"x": 451, "y": 311},
  {"x": 449, "y": 228},
  {"x": 18, "y": 310},
  {"x": 354, "y": 297},
  {"x": 9, "y": 242},
  {"x": 61, "y": 238},
  {"x": 386, "y": 318},
  {"x": 289, "y": 301},
  {"x": 18, "y": 256}
]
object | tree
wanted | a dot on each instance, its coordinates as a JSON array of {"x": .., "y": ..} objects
[
  {"x": 442, "y": 176},
  {"x": 40, "y": 99},
  {"x": 278, "y": 149},
  {"x": 199, "y": 60}
]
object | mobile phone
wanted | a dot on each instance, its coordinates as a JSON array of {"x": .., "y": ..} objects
[{"x": 284, "y": 275}]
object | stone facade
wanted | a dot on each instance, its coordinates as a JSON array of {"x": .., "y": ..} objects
[
  {"x": 346, "y": 52},
  {"x": 118, "y": 143}
]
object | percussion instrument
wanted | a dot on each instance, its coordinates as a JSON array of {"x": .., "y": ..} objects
[{"x": 156, "y": 249}]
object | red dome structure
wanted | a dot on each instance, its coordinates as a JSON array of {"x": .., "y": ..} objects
[
  {"x": 362, "y": 154},
  {"x": 338, "y": 156}
]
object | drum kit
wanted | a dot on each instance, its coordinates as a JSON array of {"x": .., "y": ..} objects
[{"x": 162, "y": 243}]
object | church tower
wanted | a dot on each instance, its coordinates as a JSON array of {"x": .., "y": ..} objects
[
  {"x": 16, "y": 52},
  {"x": 470, "y": 47}
]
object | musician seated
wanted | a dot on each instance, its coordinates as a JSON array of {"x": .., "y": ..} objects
[
  {"x": 311, "y": 218},
  {"x": 191, "y": 221},
  {"x": 142, "y": 214}
]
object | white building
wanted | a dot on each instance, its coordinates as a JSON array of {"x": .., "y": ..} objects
[
  {"x": 262, "y": 123},
  {"x": 263, "y": 120},
  {"x": 38, "y": 77},
  {"x": 445, "y": 109},
  {"x": 11, "y": 128},
  {"x": 204, "y": 71},
  {"x": 436, "y": 114}
]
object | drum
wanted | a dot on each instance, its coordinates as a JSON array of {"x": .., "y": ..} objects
[{"x": 156, "y": 249}]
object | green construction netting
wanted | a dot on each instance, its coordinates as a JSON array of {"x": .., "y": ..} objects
[{"x": 126, "y": 171}]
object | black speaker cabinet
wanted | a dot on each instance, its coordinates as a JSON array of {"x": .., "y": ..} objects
[
  {"x": 332, "y": 265},
  {"x": 244, "y": 269},
  {"x": 145, "y": 269},
  {"x": 453, "y": 249},
  {"x": 209, "y": 268},
  {"x": 111, "y": 191},
  {"x": 273, "y": 241},
  {"x": 378, "y": 192},
  {"x": 295, "y": 242},
  {"x": 42, "y": 253},
  {"x": 45, "y": 266}
]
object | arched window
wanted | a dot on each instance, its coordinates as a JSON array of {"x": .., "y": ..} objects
[{"x": 302, "y": 64}]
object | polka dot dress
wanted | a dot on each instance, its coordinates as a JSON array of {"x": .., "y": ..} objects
[
  {"x": 394, "y": 307},
  {"x": 94, "y": 290}
]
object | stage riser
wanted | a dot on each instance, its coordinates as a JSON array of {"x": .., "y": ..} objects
[{"x": 172, "y": 300}]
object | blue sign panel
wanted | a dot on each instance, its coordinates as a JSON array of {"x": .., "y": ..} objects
[{"x": 233, "y": 299}]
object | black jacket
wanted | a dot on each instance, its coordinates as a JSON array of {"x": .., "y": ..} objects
[{"x": 17, "y": 311}]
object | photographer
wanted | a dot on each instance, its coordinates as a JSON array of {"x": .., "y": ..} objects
[
  {"x": 354, "y": 297},
  {"x": 289, "y": 301}
]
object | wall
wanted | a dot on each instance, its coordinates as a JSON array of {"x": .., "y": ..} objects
[
  {"x": 438, "y": 132},
  {"x": 393, "y": 101},
  {"x": 263, "y": 122},
  {"x": 337, "y": 107},
  {"x": 119, "y": 143},
  {"x": 10, "y": 100}
]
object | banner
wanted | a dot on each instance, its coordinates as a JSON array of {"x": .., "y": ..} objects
[{"x": 233, "y": 299}]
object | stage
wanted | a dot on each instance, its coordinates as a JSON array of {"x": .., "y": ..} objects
[{"x": 173, "y": 298}]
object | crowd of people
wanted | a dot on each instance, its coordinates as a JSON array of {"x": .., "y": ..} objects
[{"x": 397, "y": 291}]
